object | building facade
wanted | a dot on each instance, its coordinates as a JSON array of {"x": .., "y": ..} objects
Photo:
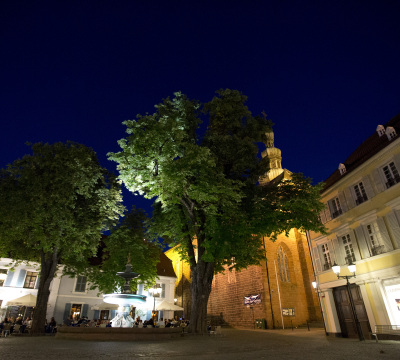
[
  {"x": 362, "y": 216},
  {"x": 70, "y": 296}
]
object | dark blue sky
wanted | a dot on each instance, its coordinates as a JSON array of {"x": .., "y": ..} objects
[{"x": 326, "y": 72}]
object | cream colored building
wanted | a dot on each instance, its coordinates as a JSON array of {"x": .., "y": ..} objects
[{"x": 362, "y": 216}]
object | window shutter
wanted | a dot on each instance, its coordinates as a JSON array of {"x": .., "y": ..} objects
[
  {"x": 317, "y": 261},
  {"x": 394, "y": 228},
  {"x": 327, "y": 212},
  {"x": 367, "y": 186},
  {"x": 343, "y": 202},
  {"x": 385, "y": 235},
  {"x": 67, "y": 311},
  {"x": 322, "y": 216},
  {"x": 113, "y": 314},
  {"x": 350, "y": 199},
  {"x": 140, "y": 289},
  {"x": 355, "y": 246},
  {"x": 362, "y": 242},
  {"x": 85, "y": 309},
  {"x": 339, "y": 254},
  {"x": 397, "y": 161},
  {"x": 379, "y": 185},
  {"x": 148, "y": 315},
  {"x": 37, "y": 282},
  {"x": 21, "y": 278},
  {"x": 96, "y": 315},
  {"x": 9, "y": 278},
  {"x": 163, "y": 290}
]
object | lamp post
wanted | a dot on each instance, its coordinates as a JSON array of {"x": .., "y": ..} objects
[
  {"x": 352, "y": 269},
  {"x": 154, "y": 291}
]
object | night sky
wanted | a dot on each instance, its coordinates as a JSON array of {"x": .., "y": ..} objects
[{"x": 326, "y": 72}]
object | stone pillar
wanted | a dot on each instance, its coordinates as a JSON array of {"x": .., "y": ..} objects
[
  {"x": 367, "y": 304},
  {"x": 377, "y": 291},
  {"x": 331, "y": 319}
]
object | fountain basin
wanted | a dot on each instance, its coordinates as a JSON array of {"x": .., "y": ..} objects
[{"x": 124, "y": 299}]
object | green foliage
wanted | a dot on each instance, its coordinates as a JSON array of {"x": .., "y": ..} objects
[
  {"x": 57, "y": 200},
  {"x": 208, "y": 188},
  {"x": 128, "y": 238}
]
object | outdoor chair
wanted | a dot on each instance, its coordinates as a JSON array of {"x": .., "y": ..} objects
[{"x": 6, "y": 330}]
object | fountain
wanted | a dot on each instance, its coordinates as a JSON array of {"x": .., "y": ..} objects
[{"x": 124, "y": 299}]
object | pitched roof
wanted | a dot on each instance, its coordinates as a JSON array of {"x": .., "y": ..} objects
[
  {"x": 164, "y": 267},
  {"x": 366, "y": 150}
]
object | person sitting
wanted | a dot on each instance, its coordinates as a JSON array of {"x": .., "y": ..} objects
[
  {"x": 52, "y": 325},
  {"x": 160, "y": 323},
  {"x": 109, "y": 324},
  {"x": 68, "y": 321},
  {"x": 140, "y": 324},
  {"x": 168, "y": 324}
]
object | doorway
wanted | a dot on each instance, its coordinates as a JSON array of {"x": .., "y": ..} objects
[{"x": 345, "y": 313}]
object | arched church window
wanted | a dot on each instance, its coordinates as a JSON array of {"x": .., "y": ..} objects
[{"x": 283, "y": 265}]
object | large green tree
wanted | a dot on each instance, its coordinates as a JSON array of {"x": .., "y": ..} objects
[
  {"x": 54, "y": 203},
  {"x": 128, "y": 239},
  {"x": 206, "y": 188}
]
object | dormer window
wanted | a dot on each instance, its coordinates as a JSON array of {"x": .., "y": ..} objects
[
  {"x": 390, "y": 133},
  {"x": 380, "y": 130},
  {"x": 342, "y": 169}
]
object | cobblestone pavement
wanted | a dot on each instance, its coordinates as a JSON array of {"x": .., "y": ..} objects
[{"x": 233, "y": 344}]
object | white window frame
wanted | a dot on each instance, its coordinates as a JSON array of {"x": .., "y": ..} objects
[
  {"x": 390, "y": 174},
  {"x": 28, "y": 273},
  {"x": 348, "y": 247},
  {"x": 374, "y": 238},
  {"x": 336, "y": 209},
  {"x": 326, "y": 256},
  {"x": 359, "y": 192}
]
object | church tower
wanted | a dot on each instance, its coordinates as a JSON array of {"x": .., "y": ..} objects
[{"x": 274, "y": 158}]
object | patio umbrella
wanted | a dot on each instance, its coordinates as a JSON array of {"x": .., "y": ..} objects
[
  {"x": 167, "y": 306},
  {"x": 26, "y": 300}
]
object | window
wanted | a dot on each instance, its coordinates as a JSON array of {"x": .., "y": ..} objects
[
  {"x": 30, "y": 280},
  {"x": 161, "y": 293},
  {"x": 3, "y": 276},
  {"x": 76, "y": 311},
  {"x": 374, "y": 239},
  {"x": 391, "y": 174},
  {"x": 342, "y": 169},
  {"x": 380, "y": 130},
  {"x": 283, "y": 265},
  {"x": 104, "y": 315},
  {"x": 80, "y": 285},
  {"x": 348, "y": 248},
  {"x": 335, "y": 207},
  {"x": 361, "y": 195},
  {"x": 390, "y": 133},
  {"x": 327, "y": 257}
]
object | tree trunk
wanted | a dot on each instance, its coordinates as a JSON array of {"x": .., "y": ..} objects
[
  {"x": 48, "y": 268},
  {"x": 202, "y": 277}
]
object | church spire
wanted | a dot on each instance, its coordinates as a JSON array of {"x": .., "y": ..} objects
[{"x": 274, "y": 159}]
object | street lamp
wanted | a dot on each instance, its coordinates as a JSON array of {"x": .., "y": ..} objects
[
  {"x": 154, "y": 291},
  {"x": 352, "y": 269}
]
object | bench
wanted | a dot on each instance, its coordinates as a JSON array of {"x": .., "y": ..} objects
[{"x": 387, "y": 332}]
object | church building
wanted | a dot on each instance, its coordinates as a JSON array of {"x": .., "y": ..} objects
[{"x": 277, "y": 293}]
